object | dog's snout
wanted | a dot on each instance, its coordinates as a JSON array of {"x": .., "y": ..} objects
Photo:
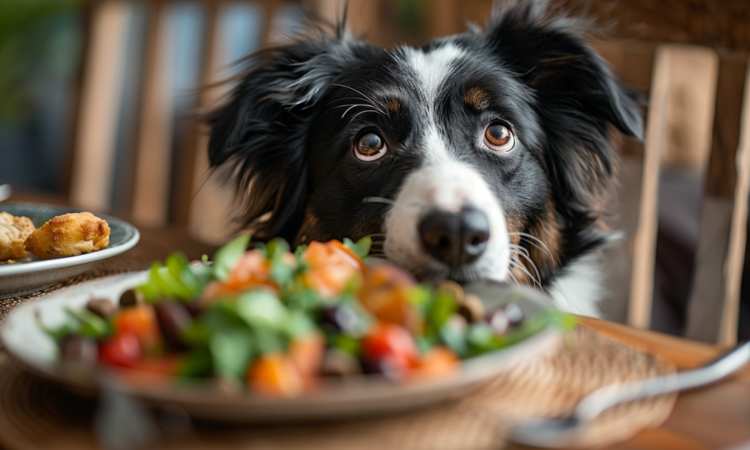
[{"x": 455, "y": 238}]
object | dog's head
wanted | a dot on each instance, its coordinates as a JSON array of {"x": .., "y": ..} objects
[{"x": 470, "y": 156}]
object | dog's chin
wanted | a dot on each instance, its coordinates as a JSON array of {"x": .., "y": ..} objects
[{"x": 435, "y": 273}]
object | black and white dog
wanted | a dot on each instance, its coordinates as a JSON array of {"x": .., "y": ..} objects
[{"x": 480, "y": 155}]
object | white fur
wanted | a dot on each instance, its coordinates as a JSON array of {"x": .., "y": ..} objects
[
  {"x": 433, "y": 67},
  {"x": 442, "y": 183},
  {"x": 448, "y": 186},
  {"x": 579, "y": 288}
]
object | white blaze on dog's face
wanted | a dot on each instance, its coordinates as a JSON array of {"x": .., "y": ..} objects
[{"x": 442, "y": 183}]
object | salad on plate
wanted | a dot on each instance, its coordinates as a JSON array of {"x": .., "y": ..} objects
[{"x": 279, "y": 322}]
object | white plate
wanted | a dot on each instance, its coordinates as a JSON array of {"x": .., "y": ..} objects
[
  {"x": 27, "y": 276},
  {"x": 29, "y": 346}
]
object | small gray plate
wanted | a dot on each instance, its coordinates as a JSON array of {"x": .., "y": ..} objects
[{"x": 27, "y": 276}]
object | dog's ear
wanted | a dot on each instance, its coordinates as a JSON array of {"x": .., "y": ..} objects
[
  {"x": 550, "y": 53},
  {"x": 259, "y": 133},
  {"x": 576, "y": 96}
]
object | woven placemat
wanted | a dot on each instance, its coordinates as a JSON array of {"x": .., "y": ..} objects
[{"x": 36, "y": 414}]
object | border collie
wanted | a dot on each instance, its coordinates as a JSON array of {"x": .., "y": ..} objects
[{"x": 483, "y": 155}]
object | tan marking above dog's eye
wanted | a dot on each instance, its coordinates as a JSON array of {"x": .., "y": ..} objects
[
  {"x": 370, "y": 147},
  {"x": 393, "y": 105},
  {"x": 477, "y": 98},
  {"x": 499, "y": 138}
]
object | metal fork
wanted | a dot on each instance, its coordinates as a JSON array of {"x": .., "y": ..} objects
[{"x": 559, "y": 432}]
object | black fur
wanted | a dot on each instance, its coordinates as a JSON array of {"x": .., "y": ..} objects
[{"x": 282, "y": 130}]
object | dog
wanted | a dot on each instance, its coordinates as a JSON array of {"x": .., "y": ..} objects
[{"x": 482, "y": 155}]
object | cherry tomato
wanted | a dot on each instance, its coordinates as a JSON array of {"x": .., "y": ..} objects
[
  {"x": 141, "y": 322},
  {"x": 275, "y": 374},
  {"x": 437, "y": 362},
  {"x": 391, "y": 343},
  {"x": 122, "y": 350}
]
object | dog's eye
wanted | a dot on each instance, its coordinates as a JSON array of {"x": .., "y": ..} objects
[
  {"x": 499, "y": 138},
  {"x": 370, "y": 147}
]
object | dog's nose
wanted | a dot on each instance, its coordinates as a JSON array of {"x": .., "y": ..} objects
[{"x": 455, "y": 238}]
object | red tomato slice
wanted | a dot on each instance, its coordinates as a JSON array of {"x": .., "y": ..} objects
[
  {"x": 393, "y": 343},
  {"x": 122, "y": 350},
  {"x": 141, "y": 322}
]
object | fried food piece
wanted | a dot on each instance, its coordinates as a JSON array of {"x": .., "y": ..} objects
[
  {"x": 69, "y": 235},
  {"x": 13, "y": 233}
]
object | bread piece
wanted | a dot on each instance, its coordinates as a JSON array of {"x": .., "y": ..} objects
[
  {"x": 13, "y": 233},
  {"x": 69, "y": 235}
]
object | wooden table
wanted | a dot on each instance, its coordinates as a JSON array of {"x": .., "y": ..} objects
[{"x": 712, "y": 418}]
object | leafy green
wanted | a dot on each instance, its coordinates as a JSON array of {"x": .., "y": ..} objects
[
  {"x": 89, "y": 324},
  {"x": 361, "y": 248},
  {"x": 228, "y": 255},
  {"x": 231, "y": 351},
  {"x": 440, "y": 309},
  {"x": 261, "y": 308},
  {"x": 197, "y": 364},
  {"x": 298, "y": 324},
  {"x": 345, "y": 343},
  {"x": 177, "y": 279}
]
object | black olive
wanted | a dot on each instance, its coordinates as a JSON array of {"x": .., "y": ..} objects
[
  {"x": 173, "y": 319},
  {"x": 130, "y": 298},
  {"x": 341, "y": 318},
  {"x": 514, "y": 313},
  {"x": 78, "y": 349},
  {"x": 102, "y": 307},
  {"x": 339, "y": 364},
  {"x": 195, "y": 308},
  {"x": 383, "y": 367}
]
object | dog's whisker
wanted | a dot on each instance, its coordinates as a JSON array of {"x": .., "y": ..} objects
[
  {"x": 533, "y": 240},
  {"x": 374, "y": 103},
  {"x": 386, "y": 201},
  {"x": 526, "y": 272},
  {"x": 532, "y": 266},
  {"x": 364, "y": 112}
]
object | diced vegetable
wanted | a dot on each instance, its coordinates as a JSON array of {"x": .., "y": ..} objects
[
  {"x": 123, "y": 350},
  {"x": 437, "y": 362},
  {"x": 307, "y": 353},
  {"x": 391, "y": 344},
  {"x": 275, "y": 374},
  {"x": 140, "y": 322},
  {"x": 386, "y": 293}
]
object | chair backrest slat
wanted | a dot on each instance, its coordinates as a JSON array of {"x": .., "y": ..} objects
[
  {"x": 644, "y": 249},
  {"x": 193, "y": 165},
  {"x": 714, "y": 303},
  {"x": 152, "y": 157},
  {"x": 93, "y": 155}
]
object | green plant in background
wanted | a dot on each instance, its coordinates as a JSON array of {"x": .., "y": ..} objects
[
  {"x": 411, "y": 16},
  {"x": 30, "y": 42}
]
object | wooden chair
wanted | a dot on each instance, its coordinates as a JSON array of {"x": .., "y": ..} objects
[{"x": 161, "y": 187}]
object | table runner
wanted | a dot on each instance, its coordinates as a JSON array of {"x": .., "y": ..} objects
[{"x": 36, "y": 414}]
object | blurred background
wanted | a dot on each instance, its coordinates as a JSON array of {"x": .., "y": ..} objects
[{"x": 100, "y": 100}]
